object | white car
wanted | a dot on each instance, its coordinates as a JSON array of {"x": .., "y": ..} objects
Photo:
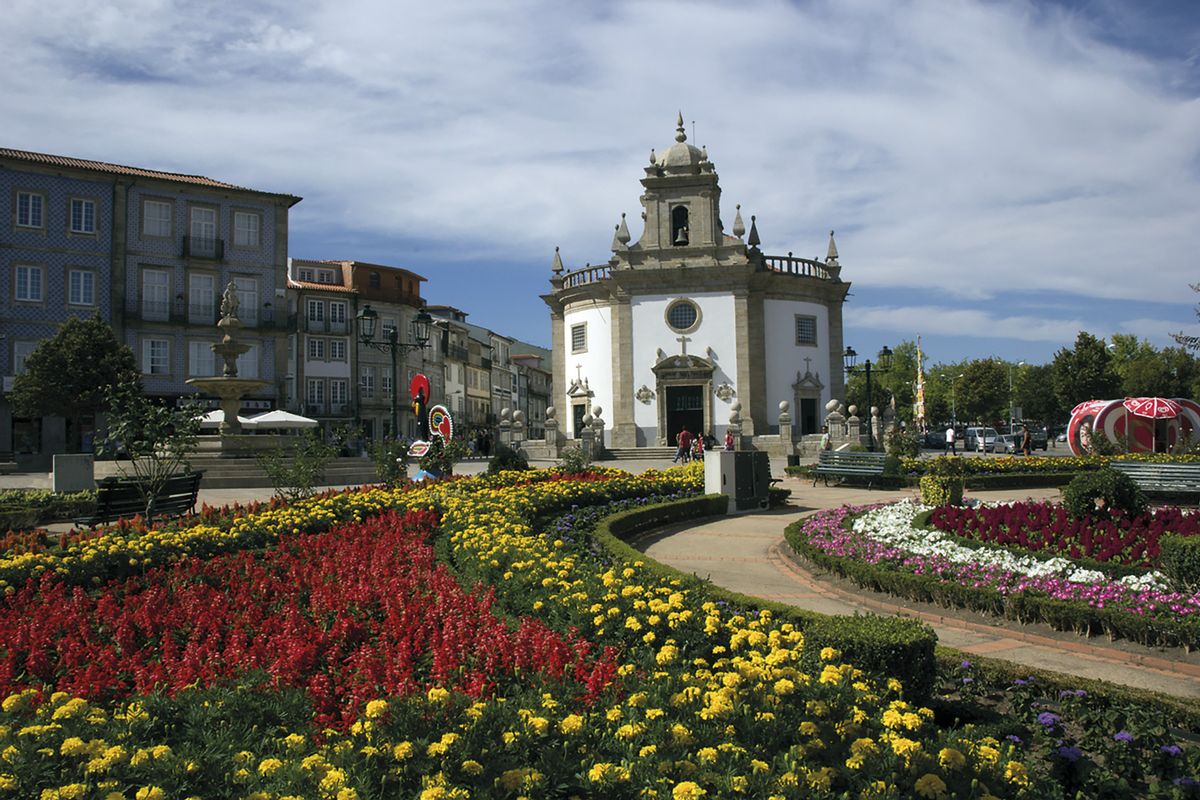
[
  {"x": 1008, "y": 443},
  {"x": 981, "y": 439}
]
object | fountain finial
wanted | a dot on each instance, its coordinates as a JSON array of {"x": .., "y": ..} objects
[{"x": 230, "y": 302}]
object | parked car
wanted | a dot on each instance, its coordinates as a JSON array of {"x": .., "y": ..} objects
[
  {"x": 1037, "y": 435},
  {"x": 934, "y": 440},
  {"x": 981, "y": 439},
  {"x": 1008, "y": 443}
]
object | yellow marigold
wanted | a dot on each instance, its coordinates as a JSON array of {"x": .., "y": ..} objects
[
  {"x": 347, "y": 794},
  {"x": 648, "y": 751},
  {"x": 687, "y": 790},
  {"x": 572, "y": 723},
  {"x": 950, "y": 758},
  {"x": 376, "y": 708},
  {"x": 472, "y": 767},
  {"x": 830, "y": 653},
  {"x": 707, "y": 755},
  {"x": 269, "y": 766},
  {"x": 1014, "y": 772},
  {"x": 538, "y": 725},
  {"x": 402, "y": 751},
  {"x": 931, "y": 786},
  {"x": 437, "y": 694},
  {"x": 150, "y": 793}
]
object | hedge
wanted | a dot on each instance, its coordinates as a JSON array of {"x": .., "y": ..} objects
[
  {"x": 886, "y": 646},
  {"x": 1179, "y": 559}
]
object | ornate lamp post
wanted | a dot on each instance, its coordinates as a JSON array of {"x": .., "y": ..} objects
[
  {"x": 883, "y": 364},
  {"x": 368, "y": 320}
]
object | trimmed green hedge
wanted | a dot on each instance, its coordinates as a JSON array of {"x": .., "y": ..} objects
[
  {"x": 22, "y": 509},
  {"x": 884, "y": 646},
  {"x": 1179, "y": 559}
]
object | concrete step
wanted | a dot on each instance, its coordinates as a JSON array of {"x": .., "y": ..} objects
[
  {"x": 638, "y": 453},
  {"x": 234, "y": 473}
]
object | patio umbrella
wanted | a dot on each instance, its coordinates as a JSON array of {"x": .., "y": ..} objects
[
  {"x": 214, "y": 418},
  {"x": 1153, "y": 407},
  {"x": 279, "y": 419}
]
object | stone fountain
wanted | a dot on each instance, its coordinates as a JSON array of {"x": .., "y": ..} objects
[{"x": 228, "y": 386}]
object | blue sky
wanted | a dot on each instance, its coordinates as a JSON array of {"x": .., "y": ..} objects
[{"x": 1001, "y": 175}]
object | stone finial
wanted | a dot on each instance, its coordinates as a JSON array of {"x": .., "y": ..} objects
[
  {"x": 623, "y": 231},
  {"x": 753, "y": 241},
  {"x": 704, "y": 153},
  {"x": 739, "y": 227},
  {"x": 831, "y": 256},
  {"x": 616, "y": 242},
  {"x": 680, "y": 133},
  {"x": 550, "y": 412},
  {"x": 557, "y": 266},
  {"x": 784, "y": 406},
  {"x": 831, "y": 406},
  {"x": 653, "y": 157},
  {"x": 597, "y": 411}
]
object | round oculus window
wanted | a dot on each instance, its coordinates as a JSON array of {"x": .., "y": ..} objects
[{"x": 682, "y": 315}]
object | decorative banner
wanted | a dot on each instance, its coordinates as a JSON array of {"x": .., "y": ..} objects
[
  {"x": 417, "y": 385},
  {"x": 418, "y": 449},
  {"x": 440, "y": 423},
  {"x": 1153, "y": 407}
]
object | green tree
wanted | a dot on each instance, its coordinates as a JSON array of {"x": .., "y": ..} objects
[
  {"x": 70, "y": 373},
  {"x": 900, "y": 382},
  {"x": 1085, "y": 372},
  {"x": 157, "y": 438},
  {"x": 983, "y": 391},
  {"x": 297, "y": 466},
  {"x": 1034, "y": 391}
]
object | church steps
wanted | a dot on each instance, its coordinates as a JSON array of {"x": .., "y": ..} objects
[{"x": 637, "y": 453}]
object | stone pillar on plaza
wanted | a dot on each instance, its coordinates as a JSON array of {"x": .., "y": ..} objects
[
  {"x": 853, "y": 425},
  {"x": 785, "y": 425},
  {"x": 505, "y": 426}
]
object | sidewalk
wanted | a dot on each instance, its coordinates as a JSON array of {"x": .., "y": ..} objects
[{"x": 748, "y": 554}]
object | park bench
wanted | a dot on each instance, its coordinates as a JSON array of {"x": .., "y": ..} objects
[
  {"x": 838, "y": 464},
  {"x": 1162, "y": 477},
  {"x": 120, "y": 497}
]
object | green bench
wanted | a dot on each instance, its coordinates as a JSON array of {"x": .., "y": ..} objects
[
  {"x": 117, "y": 498},
  {"x": 1162, "y": 477},
  {"x": 841, "y": 465}
]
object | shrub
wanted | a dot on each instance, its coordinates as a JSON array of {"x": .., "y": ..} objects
[
  {"x": 938, "y": 490},
  {"x": 1179, "y": 560},
  {"x": 506, "y": 458},
  {"x": 574, "y": 461},
  {"x": 296, "y": 470},
  {"x": 883, "y": 645},
  {"x": 391, "y": 460},
  {"x": 1103, "y": 491},
  {"x": 901, "y": 443}
]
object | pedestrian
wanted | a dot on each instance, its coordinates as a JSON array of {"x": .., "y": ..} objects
[
  {"x": 729, "y": 440},
  {"x": 1026, "y": 440},
  {"x": 698, "y": 449},
  {"x": 683, "y": 441},
  {"x": 951, "y": 446},
  {"x": 826, "y": 441}
]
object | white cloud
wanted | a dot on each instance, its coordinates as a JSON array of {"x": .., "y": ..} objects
[{"x": 971, "y": 146}]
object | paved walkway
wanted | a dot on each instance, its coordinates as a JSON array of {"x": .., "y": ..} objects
[{"x": 748, "y": 554}]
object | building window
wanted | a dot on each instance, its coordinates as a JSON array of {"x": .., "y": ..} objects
[
  {"x": 337, "y": 349},
  {"x": 247, "y": 363},
  {"x": 316, "y": 391},
  {"x": 373, "y": 280},
  {"x": 325, "y": 276},
  {"x": 202, "y": 361},
  {"x": 246, "y": 226},
  {"x": 156, "y": 356},
  {"x": 83, "y": 216},
  {"x": 337, "y": 314},
  {"x": 31, "y": 210},
  {"x": 338, "y": 391},
  {"x": 366, "y": 382},
  {"x": 247, "y": 294},
  {"x": 156, "y": 294},
  {"x": 28, "y": 283},
  {"x": 683, "y": 316},
  {"x": 316, "y": 311},
  {"x": 385, "y": 384},
  {"x": 81, "y": 287},
  {"x": 306, "y": 275},
  {"x": 579, "y": 338},
  {"x": 202, "y": 298},
  {"x": 806, "y": 330},
  {"x": 156, "y": 218},
  {"x": 21, "y": 352},
  {"x": 203, "y": 231},
  {"x": 316, "y": 349}
]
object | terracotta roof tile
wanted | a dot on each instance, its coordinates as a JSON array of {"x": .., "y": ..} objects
[
  {"x": 118, "y": 169},
  {"x": 325, "y": 287}
]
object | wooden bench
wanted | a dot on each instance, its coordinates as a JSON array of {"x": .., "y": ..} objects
[
  {"x": 1162, "y": 477},
  {"x": 120, "y": 497},
  {"x": 845, "y": 464}
]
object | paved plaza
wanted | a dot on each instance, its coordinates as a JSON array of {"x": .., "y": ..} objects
[{"x": 747, "y": 554}]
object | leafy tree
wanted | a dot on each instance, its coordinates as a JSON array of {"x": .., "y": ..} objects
[
  {"x": 1034, "y": 392},
  {"x": 1085, "y": 372},
  {"x": 983, "y": 390},
  {"x": 69, "y": 374},
  {"x": 1146, "y": 371},
  {"x": 157, "y": 438},
  {"x": 297, "y": 467}
]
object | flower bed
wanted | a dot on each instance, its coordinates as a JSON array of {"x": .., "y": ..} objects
[
  {"x": 707, "y": 700},
  {"x": 1047, "y": 527},
  {"x": 883, "y": 549}
]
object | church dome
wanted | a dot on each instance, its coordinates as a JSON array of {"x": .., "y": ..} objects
[{"x": 681, "y": 156}]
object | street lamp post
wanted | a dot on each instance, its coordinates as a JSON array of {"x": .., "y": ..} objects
[
  {"x": 368, "y": 319},
  {"x": 1011, "y": 422},
  {"x": 883, "y": 364},
  {"x": 954, "y": 400}
]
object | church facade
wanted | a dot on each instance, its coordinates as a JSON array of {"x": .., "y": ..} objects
[{"x": 690, "y": 326}]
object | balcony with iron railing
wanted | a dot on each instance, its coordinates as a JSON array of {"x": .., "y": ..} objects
[
  {"x": 788, "y": 265},
  {"x": 207, "y": 247}
]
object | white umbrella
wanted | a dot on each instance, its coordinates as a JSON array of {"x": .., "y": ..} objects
[
  {"x": 214, "y": 419},
  {"x": 280, "y": 419}
]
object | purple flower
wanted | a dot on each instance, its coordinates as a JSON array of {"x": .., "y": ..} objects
[
  {"x": 1070, "y": 753},
  {"x": 1049, "y": 719},
  {"x": 1171, "y": 749},
  {"x": 968, "y": 680},
  {"x": 1014, "y": 739},
  {"x": 1123, "y": 736},
  {"x": 965, "y": 665}
]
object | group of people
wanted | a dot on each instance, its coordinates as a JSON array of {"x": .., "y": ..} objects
[{"x": 691, "y": 446}]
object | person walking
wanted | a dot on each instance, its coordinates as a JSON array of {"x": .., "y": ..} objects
[
  {"x": 729, "y": 440},
  {"x": 951, "y": 446},
  {"x": 826, "y": 441},
  {"x": 683, "y": 443},
  {"x": 1026, "y": 440}
]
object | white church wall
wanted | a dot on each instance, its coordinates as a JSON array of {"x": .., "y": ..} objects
[
  {"x": 595, "y": 364},
  {"x": 785, "y": 358},
  {"x": 651, "y": 333}
]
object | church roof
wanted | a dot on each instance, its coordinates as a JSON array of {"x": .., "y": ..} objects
[{"x": 681, "y": 156}]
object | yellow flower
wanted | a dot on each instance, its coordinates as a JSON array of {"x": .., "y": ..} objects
[
  {"x": 950, "y": 758},
  {"x": 572, "y": 723},
  {"x": 687, "y": 791},
  {"x": 376, "y": 709},
  {"x": 472, "y": 767},
  {"x": 437, "y": 694},
  {"x": 1014, "y": 772},
  {"x": 931, "y": 786},
  {"x": 150, "y": 793},
  {"x": 402, "y": 751},
  {"x": 269, "y": 766}
]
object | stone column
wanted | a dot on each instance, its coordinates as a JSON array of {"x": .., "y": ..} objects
[
  {"x": 587, "y": 438},
  {"x": 505, "y": 426},
  {"x": 597, "y": 427},
  {"x": 853, "y": 426},
  {"x": 743, "y": 342},
  {"x": 518, "y": 427},
  {"x": 785, "y": 425},
  {"x": 624, "y": 430},
  {"x": 551, "y": 428}
]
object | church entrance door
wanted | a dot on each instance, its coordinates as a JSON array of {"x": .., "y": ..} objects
[{"x": 685, "y": 406}]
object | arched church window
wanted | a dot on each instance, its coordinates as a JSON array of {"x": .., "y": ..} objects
[
  {"x": 683, "y": 316},
  {"x": 679, "y": 226}
]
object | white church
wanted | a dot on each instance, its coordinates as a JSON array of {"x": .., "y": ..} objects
[{"x": 690, "y": 325}]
